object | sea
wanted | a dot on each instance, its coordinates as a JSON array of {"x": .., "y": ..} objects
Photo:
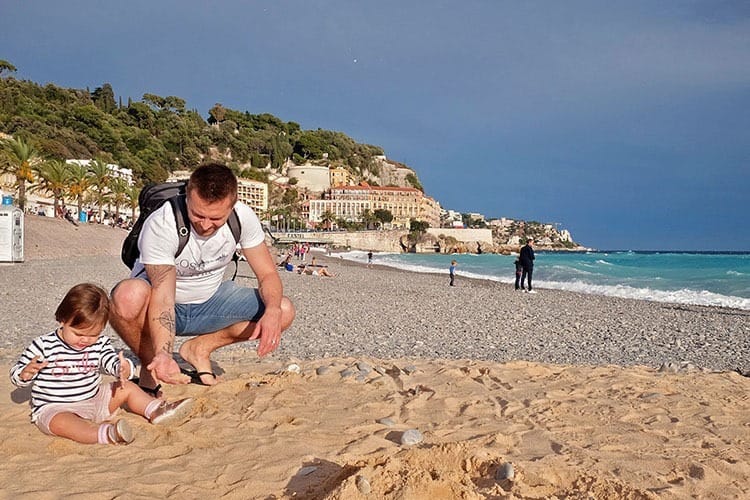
[{"x": 699, "y": 278}]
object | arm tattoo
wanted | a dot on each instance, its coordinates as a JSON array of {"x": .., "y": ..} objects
[{"x": 166, "y": 319}]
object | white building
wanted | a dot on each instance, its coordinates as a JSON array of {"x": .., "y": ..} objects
[{"x": 314, "y": 178}]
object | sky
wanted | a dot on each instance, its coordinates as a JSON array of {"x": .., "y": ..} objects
[{"x": 626, "y": 122}]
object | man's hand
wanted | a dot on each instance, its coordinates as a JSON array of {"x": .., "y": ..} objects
[
  {"x": 165, "y": 369},
  {"x": 268, "y": 330}
]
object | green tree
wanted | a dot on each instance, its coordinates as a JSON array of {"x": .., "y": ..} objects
[
  {"x": 79, "y": 183},
  {"x": 368, "y": 218},
  {"x": 6, "y": 66},
  {"x": 383, "y": 216},
  {"x": 19, "y": 159},
  {"x": 119, "y": 195},
  {"x": 53, "y": 176},
  {"x": 326, "y": 219},
  {"x": 104, "y": 98},
  {"x": 101, "y": 180}
]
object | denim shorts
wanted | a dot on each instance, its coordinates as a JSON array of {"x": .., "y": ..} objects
[{"x": 230, "y": 304}]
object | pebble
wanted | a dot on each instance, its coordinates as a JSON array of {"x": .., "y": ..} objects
[
  {"x": 293, "y": 368},
  {"x": 346, "y": 372},
  {"x": 322, "y": 370},
  {"x": 363, "y": 485},
  {"x": 411, "y": 437},
  {"x": 409, "y": 369},
  {"x": 504, "y": 472},
  {"x": 364, "y": 367},
  {"x": 387, "y": 421}
]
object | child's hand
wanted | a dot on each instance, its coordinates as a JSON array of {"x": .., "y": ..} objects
[
  {"x": 124, "y": 369},
  {"x": 29, "y": 371}
]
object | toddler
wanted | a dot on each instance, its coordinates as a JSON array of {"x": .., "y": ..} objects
[{"x": 64, "y": 369}]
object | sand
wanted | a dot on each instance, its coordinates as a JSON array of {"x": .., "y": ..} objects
[{"x": 576, "y": 403}]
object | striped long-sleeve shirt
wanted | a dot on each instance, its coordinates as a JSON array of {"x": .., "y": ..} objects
[{"x": 72, "y": 374}]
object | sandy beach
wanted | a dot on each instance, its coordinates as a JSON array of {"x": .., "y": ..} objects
[{"x": 581, "y": 396}]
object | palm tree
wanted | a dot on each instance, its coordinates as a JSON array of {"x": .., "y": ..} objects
[
  {"x": 53, "y": 177},
  {"x": 101, "y": 179},
  {"x": 19, "y": 159},
  {"x": 326, "y": 218},
  {"x": 80, "y": 182},
  {"x": 132, "y": 193},
  {"x": 119, "y": 196}
]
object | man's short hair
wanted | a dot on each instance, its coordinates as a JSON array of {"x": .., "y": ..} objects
[{"x": 213, "y": 182}]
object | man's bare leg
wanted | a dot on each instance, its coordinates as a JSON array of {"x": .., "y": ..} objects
[
  {"x": 197, "y": 351},
  {"x": 128, "y": 318}
]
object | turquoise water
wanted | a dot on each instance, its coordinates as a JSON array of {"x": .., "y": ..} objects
[{"x": 716, "y": 279}]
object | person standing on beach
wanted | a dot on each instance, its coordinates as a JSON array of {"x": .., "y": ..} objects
[
  {"x": 168, "y": 295},
  {"x": 369, "y": 258},
  {"x": 527, "y": 263},
  {"x": 63, "y": 369},
  {"x": 452, "y": 272},
  {"x": 519, "y": 270}
]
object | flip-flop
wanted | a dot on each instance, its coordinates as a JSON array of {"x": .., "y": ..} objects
[
  {"x": 153, "y": 391},
  {"x": 195, "y": 376}
]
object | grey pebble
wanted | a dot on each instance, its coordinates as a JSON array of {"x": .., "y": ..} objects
[
  {"x": 409, "y": 369},
  {"x": 322, "y": 370},
  {"x": 363, "y": 485},
  {"x": 504, "y": 472},
  {"x": 347, "y": 372},
  {"x": 411, "y": 437},
  {"x": 387, "y": 421},
  {"x": 364, "y": 367}
]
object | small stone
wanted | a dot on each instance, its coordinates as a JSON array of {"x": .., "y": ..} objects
[
  {"x": 411, "y": 437},
  {"x": 322, "y": 370},
  {"x": 504, "y": 472},
  {"x": 347, "y": 372},
  {"x": 361, "y": 377},
  {"x": 364, "y": 367},
  {"x": 363, "y": 485},
  {"x": 378, "y": 381},
  {"x": 409, "y": 369},
  {"x": 380, "y": 370},
  {"x": 387, "y": 421},
  {"x": 293, "y": 368}
]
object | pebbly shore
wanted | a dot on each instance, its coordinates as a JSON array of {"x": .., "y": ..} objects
[{"x": 386, "y": 313}]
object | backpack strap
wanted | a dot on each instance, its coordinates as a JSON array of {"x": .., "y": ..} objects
[
  {"x": 179, "y": 208},
  {"x": 234, "y": 225}
]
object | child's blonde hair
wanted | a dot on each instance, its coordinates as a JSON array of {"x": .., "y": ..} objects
[{"x": 84, "y": 305}]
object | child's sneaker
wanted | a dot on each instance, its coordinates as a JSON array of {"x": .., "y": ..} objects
[
  {"x": 171, "y": 412},
  {"x": 120, "y": 433}
]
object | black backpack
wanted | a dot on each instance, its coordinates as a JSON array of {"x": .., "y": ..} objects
[{"x": 154, "y": 196}]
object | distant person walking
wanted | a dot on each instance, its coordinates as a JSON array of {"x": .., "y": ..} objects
[
  {"x": 527, "y": 263},
  {"x": 452, "y": 272},
  {"x": 369, "y": 258}
]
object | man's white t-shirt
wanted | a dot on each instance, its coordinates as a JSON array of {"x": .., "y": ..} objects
[{"x": 200, "y": 267}]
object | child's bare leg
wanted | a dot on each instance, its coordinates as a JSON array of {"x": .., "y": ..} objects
[
  {"x": 71, "y": 426},
  {"x": 132, "y": 395}
]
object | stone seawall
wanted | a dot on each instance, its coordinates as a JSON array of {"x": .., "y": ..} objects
[{"x": 390, "y": 241}]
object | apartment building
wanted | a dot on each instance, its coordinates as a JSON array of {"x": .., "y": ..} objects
[{"x": 350, "y": 202}]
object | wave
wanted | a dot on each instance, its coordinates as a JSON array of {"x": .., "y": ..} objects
[
  {"x": 602, "y": 261},
  {"x": 574, "y": 284}
]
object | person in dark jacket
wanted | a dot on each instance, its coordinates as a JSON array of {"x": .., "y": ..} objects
[{"x": 527, "y": 262}]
